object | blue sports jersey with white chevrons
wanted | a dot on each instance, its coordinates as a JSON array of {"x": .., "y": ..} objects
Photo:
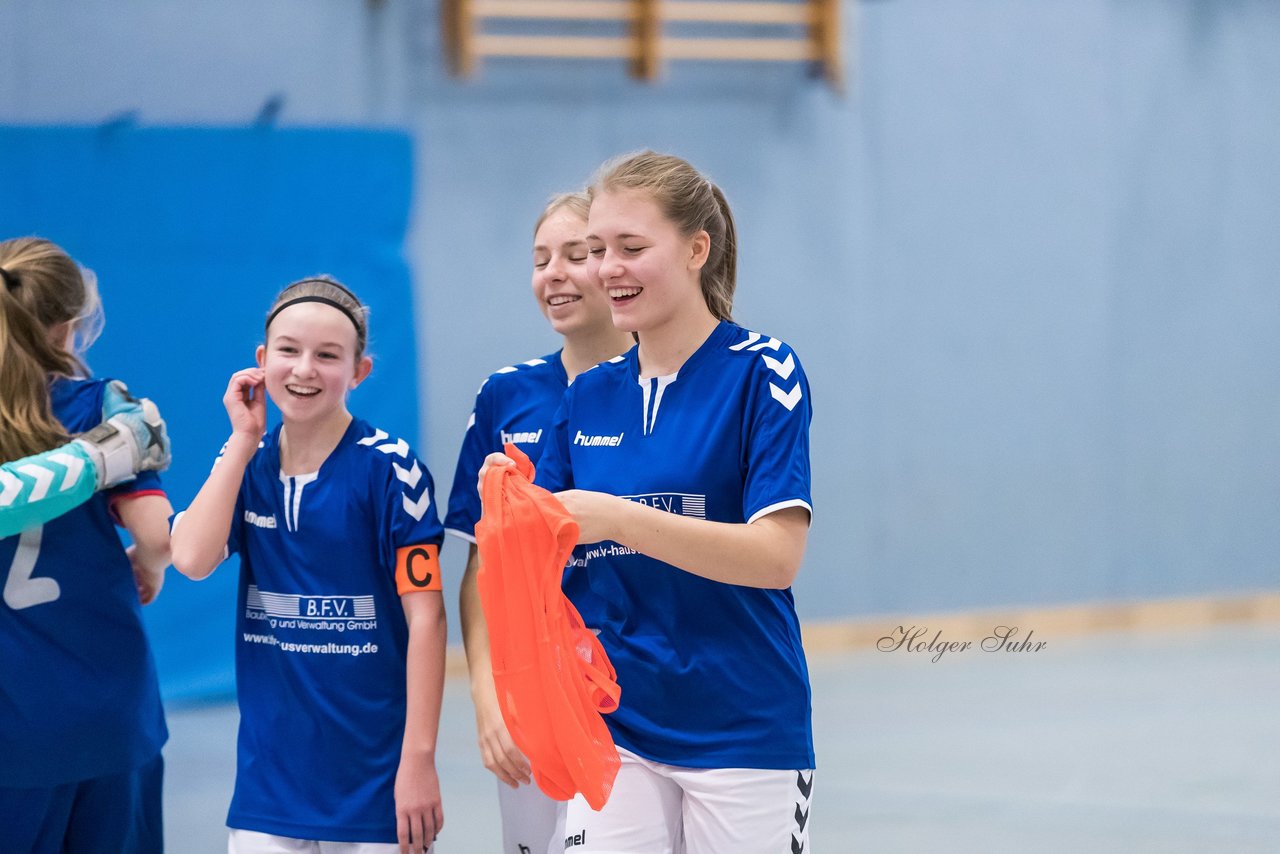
[
  {"x": 515, "y": 404},
  {"x": 79, "y": 696},
  {"x": 321, "y": 637},
  {"x": 713, "y": 675}
]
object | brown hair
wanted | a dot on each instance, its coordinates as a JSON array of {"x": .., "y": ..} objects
[
  {"x": 328, "y": 290},
  {"x": 40, "y": 288},
  {"x": 693, "y": 204},
  {"x": 578, "y": 203}
]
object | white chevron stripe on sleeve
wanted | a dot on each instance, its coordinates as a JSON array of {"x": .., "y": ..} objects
[
  {"x": 378, "y": 436},
  {"x": 771, "y": 344},
  {"x": 43, "y": 478},
  {"x": 408, "y": 476},
  {"x": 789, "y": 399},
  {"x": 783, "y": 368},
  {"x": 400, "y": 448},
  {"x": 416, "y": 509},
  {"x": 752, "y": 337},
  {"x": 12, "y": 486},
  {"x": 73, "y": 464}
]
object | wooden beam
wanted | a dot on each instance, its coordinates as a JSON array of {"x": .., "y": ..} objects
[
  {"x": 569, "y": 10},
  {"x": 647, "y": 30},
  {"x": 555, "y": 47},
  {"x": 459, "y": 35},
  {"x": 826, "y": 32},
  {"x": 738, "y": 13},
  {"x": 752, "y": 50},
  {"x": 645, "y": 46}
]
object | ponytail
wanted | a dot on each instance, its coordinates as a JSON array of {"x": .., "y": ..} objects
[
  {"x": 720, "y": 275},
  {"x": 40, "y": 288}
]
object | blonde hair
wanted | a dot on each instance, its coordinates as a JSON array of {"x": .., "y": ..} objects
[
  {"x": 578, "y": 203},
  {"x": 329, "y": 290},
  {"x": 40, "y": 288},
  {"x": 692, "y": 203}
]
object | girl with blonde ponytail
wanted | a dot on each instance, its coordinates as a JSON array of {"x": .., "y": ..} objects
[{"x": 685, "y": 463}]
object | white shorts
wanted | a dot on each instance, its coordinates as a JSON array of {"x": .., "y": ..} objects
[
  {"x": 665, "y": 809},
  {"x": 530, "y": 820},
  {"x": 252, "y": 842}
]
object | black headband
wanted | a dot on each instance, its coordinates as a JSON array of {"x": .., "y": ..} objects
[
  {"x": 10, "y": 279},
  {"x": 325, "y": 280},
  {"x": 339, "y": 306}
]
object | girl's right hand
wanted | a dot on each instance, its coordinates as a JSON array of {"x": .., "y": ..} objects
[
  {"x": 246, "y": 402},
  {"x": 498, "y": 752},
  {"x": 494, "y": 459}
]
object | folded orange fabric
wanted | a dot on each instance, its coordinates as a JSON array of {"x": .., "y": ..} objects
[{"x": 553, "y": 678}]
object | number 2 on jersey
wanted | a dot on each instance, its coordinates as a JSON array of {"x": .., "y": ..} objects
[{"x": 20, "y": 589}]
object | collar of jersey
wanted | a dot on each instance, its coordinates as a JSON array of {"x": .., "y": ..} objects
[
  {"x": 718, "y": 336},
  {"x": 273, "y": 447},
  {"x": 557, "y": 361}
]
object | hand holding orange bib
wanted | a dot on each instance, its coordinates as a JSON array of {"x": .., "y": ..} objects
[{"x": 552, "y": 676}]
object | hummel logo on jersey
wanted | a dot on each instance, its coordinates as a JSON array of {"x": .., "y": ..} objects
[
  {"x": 259, "y": 521},
  {"x": 598, "y": 441},
  {"x": 521, "y": 438}
]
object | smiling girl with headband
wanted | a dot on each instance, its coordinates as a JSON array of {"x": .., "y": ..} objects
[{"x": 340, "y": 626}]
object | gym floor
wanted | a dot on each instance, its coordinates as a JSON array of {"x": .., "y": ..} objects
[{"x": 1119, "y": 742}]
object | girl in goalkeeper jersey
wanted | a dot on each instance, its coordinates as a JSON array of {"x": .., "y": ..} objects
[
  {"x": 686, "y": 465},
  {"x": 81, "y": 726},
  {"x": 516, "y": 404}
]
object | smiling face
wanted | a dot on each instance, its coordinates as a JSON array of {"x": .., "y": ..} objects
[
  {"x": 565, "y": 282},
  {"x": 649, "y": 270},
  {"x": 310, "y": 362}
]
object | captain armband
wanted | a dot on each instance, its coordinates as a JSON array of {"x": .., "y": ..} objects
[{"x": 417, "y": 568}]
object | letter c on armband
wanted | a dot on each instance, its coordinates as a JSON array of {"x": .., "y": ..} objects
[{"x": 417, "y": 568}]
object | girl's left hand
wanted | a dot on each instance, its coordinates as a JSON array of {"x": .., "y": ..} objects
[
  {"x": 419, "y": 812},
  {"x": 597, "y": 513},
  {"x": 147, "y": 582}
]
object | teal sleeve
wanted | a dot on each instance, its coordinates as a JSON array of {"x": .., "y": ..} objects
[{"x": 42, "y": 487}]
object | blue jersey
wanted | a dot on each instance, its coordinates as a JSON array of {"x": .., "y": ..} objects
[
  {"x": 78, "y": 696},
  {"x": 321, "y": 637},
  {"x": 712, "y": 674},
  {"x": 515, "y": 404}
]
